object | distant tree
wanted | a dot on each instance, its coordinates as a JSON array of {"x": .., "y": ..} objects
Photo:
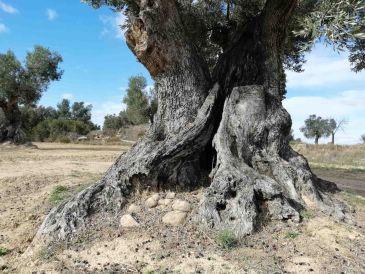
[
  {"x": 315, "y": 128},
  {"x": 64, "y": 109},
  {"x": 81, "y": 112},
  {"x": 334, "y": 126},
  {"x": 363, "y": 138},
  {"x": 136, "y": 100},
  {"x": 32, "y": 116},
  {"x": 24, "y": 84},
  {"x": 115, "y": 122}
]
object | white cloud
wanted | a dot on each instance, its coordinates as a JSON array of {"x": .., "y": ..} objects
[
  {"x": 67, "y": 96},
  {"x": 106, "y": 108},
  {"x": 323, "y": 71},
  {"x": 3, "y": 28},
  {"x": 51, "y": 14},
  {"x": 348, "y": 104},
  {"x": 7, "y": 8},
  {"x": 113, "y": 25}
]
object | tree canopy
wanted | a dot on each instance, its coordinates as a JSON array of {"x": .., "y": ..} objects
[
  {"x": 213, "y": 25},
  {"x": 24, "y": 84},
  {"x": 316, "y": 127}
]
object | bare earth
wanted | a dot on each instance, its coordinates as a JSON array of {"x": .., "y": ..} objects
[{"x": 28, "y": 176}]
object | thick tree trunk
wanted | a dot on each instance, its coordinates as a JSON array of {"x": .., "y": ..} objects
[
  {"x": 256, "y": 175},
  {"x": 11, "y": 130}
]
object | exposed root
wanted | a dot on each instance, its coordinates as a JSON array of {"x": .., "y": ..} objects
[
  {"x": 258, "y": 177},
  {"x": 150, "y": 164}
]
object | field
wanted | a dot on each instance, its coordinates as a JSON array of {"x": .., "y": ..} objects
[{"x": 33, "y": 180}]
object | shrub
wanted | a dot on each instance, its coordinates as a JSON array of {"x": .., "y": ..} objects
[
  {"x": 226, "y": 239},
  {"x": 58, "y": 195},
  {"x": 4, "y": 251},
  {"x": 307, "y": 214},
  {"x": 292, "y": 234}
]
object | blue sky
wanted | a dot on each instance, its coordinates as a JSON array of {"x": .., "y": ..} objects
[{"x": 97, "y": 64}]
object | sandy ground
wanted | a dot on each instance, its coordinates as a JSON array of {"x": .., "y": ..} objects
[{"x": 28, "y": 176}]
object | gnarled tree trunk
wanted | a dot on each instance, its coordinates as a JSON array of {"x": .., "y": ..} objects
[
  {"x": 11, "y": 130},
  {"x": 233, "y": 120}
]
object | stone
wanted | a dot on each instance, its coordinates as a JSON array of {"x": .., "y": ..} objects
[
  {"x": 133, "y": 208},
  {"x": 170, "y": 195},
  {"x": 128, "y": 221},
  {"x": 165, "y": 202},
  {"x": 181, "y": 205},
  {"x": 155, "y": 196},
  {"x": 151, "y": 202},
  {"x": 174, "y": 218}
]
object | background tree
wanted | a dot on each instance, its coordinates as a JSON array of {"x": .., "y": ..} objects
[
  {"x": 363, "y": 138},
  {"x": 316, "y": 128},
  {"x": 334, "y": 126},
  {"x": 64, "y": 109},
  {"x": 24, "y": 84},
  {"x": 115, "y": 122},
  {"x": 220, "y": 81},
  {"x": 136, "y": 100}
]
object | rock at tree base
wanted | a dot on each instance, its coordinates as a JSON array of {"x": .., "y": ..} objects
[
  {"x": 170, "y": 195},
  {"x": 128, "y": 221},
  {"x": 151, "y": 202},
  {"x": 174, "y": 218},
  {"x": 164, "y": 202},
  {"x": 181, "y": 205},
  {"x": 133, "y": 208}
]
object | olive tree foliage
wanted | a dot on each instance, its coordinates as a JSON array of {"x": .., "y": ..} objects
[
  {"x": 316, "y": 128},
  {"x": 24, "y": 84},
  {"x": 334, "y": 126},
  {"x": 212, "y": 25}
]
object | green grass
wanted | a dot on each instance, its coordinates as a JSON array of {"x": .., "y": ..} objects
[
  {"x": 226, "y": 239},
  {"x": 356, "y": 201},
  {"x": 4, "y": 251},
  {"x": 307, "y": 214},
  {"x": 58, "y": 195},
  {"x": 292, "y": 234}
]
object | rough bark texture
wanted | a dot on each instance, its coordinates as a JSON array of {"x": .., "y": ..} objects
[
  {"x": 11, "y": 130},
  {"x": 256, "y": 176}
]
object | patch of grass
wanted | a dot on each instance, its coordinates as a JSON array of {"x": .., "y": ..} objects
[
  {"x": 226, "y": 239},
  {"x": 356, "y": 201},
  {"x": 292, "y": 234},
  {"x": 307, "y": 214},
  {"x": 45, "y": 253},
  {"x": 4, "y": 251},
  {"x": 58, "y": 195}
]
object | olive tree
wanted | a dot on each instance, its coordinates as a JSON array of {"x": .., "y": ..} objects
[
  {"x": 219, "y": 68},
  {"x": 24, "y": 84}
]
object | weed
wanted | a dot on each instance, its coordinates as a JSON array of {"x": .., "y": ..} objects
[
  {"x": 226, "y": 239},
  {"x": 292, "y": 234},
  {"x": 307, "y": 214},
  {"x": 356, "y": 201},
  {"x": 58, "y": 195},
  {"x": 4, "y": 251},
  {"x": 45, "y": 253}
]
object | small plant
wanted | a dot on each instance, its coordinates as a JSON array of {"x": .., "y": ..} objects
[
  {"x": 4, "y": 251},
  {"x": 58, "y": 195},
  {"x": 307, "y": 214},
  {"x": 226, "y": 239},
  {"x": 292, "y": 234},
  {"x": 45, "y": 253}
]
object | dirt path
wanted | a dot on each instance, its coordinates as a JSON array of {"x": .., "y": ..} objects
[{"x": 350, "y": 180}]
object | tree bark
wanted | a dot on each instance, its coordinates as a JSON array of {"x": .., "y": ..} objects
[
  {"x": 11, "y": 130},
  {"x": 333, "y": 138},
  {"x": 256, "y": 176},
  {"x": 316, "y": 139}
]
